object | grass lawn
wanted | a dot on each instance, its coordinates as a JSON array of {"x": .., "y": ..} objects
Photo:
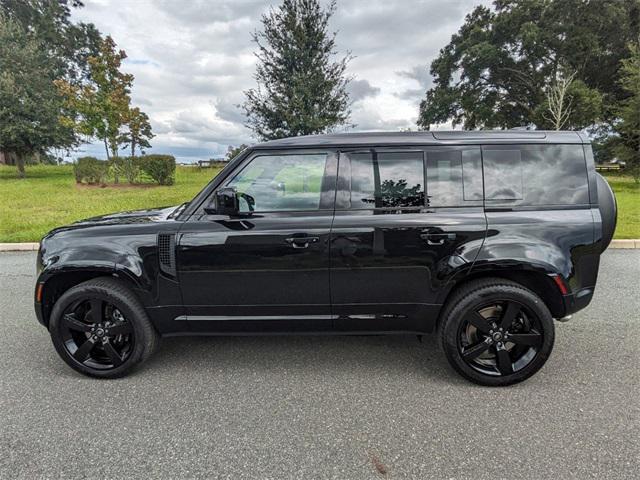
[
  {"x": 49, "y": 197},
  {"x": 628, "y": 198}
]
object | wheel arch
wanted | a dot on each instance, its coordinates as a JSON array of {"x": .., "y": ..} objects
[
  {"x": 540, "y": 283},
  {"x": 55, "y": 285}
]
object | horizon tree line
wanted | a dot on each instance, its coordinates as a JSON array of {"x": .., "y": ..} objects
[{"x": 538, "y": 64}]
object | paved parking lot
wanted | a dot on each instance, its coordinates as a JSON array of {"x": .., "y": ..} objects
[{"x": 324, "y": 407}]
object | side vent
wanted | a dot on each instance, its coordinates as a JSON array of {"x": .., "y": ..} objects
[{"x": 167, "y": 253}]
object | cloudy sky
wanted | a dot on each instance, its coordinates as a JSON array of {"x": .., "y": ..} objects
[{"x": 193, "y": 60}]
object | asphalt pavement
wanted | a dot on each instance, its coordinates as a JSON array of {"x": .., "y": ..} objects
[{"x": 324, "y": 407}]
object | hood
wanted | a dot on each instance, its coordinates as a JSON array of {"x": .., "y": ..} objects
[
  {"x": 134, "y": 216},
  {"x": 148, "y": 216}
]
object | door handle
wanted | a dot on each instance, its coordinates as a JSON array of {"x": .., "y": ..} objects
[
  {"x": 437, "y": 238},
  {"x": 301, "y": 242}
]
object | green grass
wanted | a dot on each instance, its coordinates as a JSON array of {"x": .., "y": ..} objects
[
  {"x": 49, "y": 197},
  {"x": 628, "y": 198}
]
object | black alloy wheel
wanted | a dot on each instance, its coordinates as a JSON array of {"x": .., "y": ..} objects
[
  {"x": 500, "y": 338},
  {"x": 101, "y": 329},
  {"x": 96, "y": 334},
  {"x": 496, "y": 332}
]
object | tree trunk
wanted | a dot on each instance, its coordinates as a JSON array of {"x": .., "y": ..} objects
[
  {"x": 133, "y": 148},
  {"x": 106, "y": 148},
  {"x": 9, "y": 157},
  {"x": 20, "y": 164}
]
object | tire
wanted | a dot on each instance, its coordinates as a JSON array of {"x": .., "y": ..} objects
[
  {"x": 476, "y": 347},
  {"x": 108, "y": 346}
]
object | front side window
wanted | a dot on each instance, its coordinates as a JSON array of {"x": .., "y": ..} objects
[
  {"x": 387, "y": 179},
  {"x": 281, "y": 182}
]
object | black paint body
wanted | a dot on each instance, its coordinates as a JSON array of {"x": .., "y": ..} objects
[{"x": 340, "y": 269}]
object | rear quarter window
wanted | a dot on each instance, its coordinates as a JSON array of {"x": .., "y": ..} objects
[{"x": 535, "y": 175}]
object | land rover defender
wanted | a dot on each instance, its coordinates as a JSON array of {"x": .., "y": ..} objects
[{"x": 483, "y": 237}]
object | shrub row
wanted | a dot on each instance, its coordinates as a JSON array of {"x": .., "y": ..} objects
[
  {"x": 90, "y": 170},
  {"x": 160, "y": 169}
]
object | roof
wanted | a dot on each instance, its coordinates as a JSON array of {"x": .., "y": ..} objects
[{"x": 437, "y": 137}]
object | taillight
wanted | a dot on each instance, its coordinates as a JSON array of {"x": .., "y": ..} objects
[
  {"x": 560, "y": 283},
  {"x": 39, "y": 292}
]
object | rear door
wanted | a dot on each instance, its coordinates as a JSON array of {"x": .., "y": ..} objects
[{"x": 406, "y": 221}]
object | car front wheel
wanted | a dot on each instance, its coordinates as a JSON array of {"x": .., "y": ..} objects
[
  {"x": 496, "y": 332},
  {"x": 100, "y": 329}
]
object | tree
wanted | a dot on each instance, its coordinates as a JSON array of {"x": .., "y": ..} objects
[
  {"x": 558, "y": 102},
  {"x": 100, "y": 108},
  {"x": 30, "y": 104},
  {"x": 67, "y": 44},
  {"x": 301, "y": 89},
  {"x": 138, "y": 131},
  {"x": 498, "y": 69},
  {"x": 233, "y": 152},
  {"x": 627, "y": 146},
  {"x": 63, "y": 47}
]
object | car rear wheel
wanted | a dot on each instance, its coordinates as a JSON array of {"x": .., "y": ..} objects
[
  {"x": 496, "y": 333},
  {"x": 100, "y": 329}
]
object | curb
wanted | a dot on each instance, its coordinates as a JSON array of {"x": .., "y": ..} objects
[
  {"x": 19, "y": 247},
  {"x": 32, "y": 247},
  {"x": 625, "y": 243}
]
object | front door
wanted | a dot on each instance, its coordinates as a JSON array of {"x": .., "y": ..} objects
[
  {"x": 406, "y": 221},
  {"x": 266, "y": 269}
]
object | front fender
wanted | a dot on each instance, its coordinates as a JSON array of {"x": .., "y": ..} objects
[{"x": 68, "y": 257}]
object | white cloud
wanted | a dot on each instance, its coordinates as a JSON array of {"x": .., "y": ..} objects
[{"x": 193, "y": 60}]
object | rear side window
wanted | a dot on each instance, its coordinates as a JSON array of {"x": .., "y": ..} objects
[
  {"x": 387, "y": 179},
  {"x": 454, "y": 176},
  {"x": 535, "y": 174}
]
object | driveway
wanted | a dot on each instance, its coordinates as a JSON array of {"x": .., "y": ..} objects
[{"x": 324, "y": 407}]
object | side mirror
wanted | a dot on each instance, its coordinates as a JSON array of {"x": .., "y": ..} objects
[{"x": 225, "y": 202}]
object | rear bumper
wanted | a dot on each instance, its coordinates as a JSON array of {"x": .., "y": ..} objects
[{"x": 577, "y": 301}]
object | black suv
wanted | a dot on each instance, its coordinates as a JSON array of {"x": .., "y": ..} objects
[{"x": 485, "y": 237}]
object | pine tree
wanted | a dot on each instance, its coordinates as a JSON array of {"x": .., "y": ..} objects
[
  {"x": 138, "y": 131},
  {"x": 301, "y": 86}
]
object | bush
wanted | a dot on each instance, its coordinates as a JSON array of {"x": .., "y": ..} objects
[
  {"x": 90, "y": 170},
  {"x": 161, "y": 168},
  {"x": 129, "y": 167}
]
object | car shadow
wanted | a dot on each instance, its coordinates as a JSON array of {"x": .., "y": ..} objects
[{"x": 331, "y": 355}]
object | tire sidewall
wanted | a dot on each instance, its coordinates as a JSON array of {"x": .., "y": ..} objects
[
  {"x": 488, "y": 295},
  {"x": 81, "y": 292}
]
